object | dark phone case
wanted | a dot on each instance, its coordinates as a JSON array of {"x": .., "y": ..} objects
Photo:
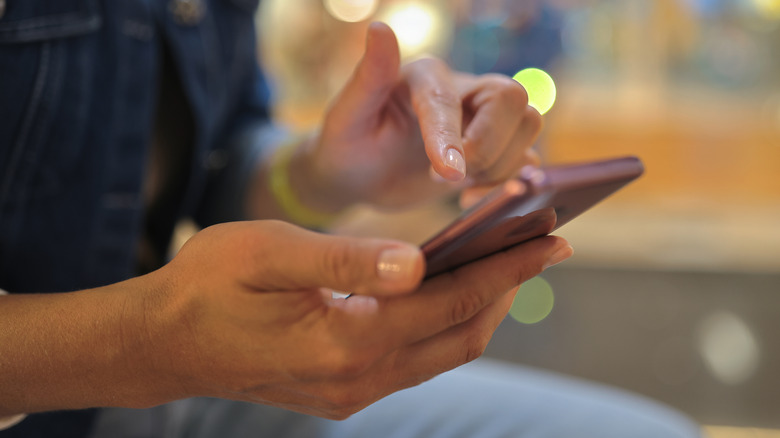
[{"x": 536, "y": 203}]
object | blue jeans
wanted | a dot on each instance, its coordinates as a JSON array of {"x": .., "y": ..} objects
[{"x": 481, "y": 399}]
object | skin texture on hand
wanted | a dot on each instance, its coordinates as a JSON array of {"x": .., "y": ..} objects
[
  {"x": 245, "y": 312},
  {"x": 249, "y": 315},
  {"x": 393, "y": 125}
]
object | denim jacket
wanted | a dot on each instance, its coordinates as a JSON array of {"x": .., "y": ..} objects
[{"x": 78, "y": 89}]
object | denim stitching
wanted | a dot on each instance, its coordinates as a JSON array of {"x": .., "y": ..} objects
[
  {"x": 33, "y": 33},
  {"x": 89, "y": 9},
  {"x": 51, "y": 20},
  {"x": 37, "y": 143},
  {"x": 30, "y": 116}
]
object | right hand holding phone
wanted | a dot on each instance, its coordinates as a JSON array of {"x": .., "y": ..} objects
[{"x": 246, "y": 313}]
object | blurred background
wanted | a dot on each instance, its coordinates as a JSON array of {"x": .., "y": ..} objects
[{"x": 674, "y": 290}]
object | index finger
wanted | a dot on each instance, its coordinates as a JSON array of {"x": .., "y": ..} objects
[{"x": 437, "y": 104}]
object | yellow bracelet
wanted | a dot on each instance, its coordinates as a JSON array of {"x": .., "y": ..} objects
[{"x": 283, "y": 193}]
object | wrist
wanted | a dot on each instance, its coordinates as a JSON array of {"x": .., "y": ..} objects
[
  {"x": 302, "y": 188},
  {"x": 8, "y": 421},
  {"x": 140, "y": 363},
  {"x": 78, "y": 350},
  {"x": 160, "y": 356}
]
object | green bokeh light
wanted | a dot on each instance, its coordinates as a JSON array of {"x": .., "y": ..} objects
[
  {"x": 533, "y": 301},
  {"x": 540, "y": 87}
]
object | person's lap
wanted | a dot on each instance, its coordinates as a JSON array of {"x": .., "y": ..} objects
[{"x": 481, "y": 399}]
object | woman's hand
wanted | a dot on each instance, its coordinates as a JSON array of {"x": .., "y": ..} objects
[
  {"x": 244, "y": 312},
  {"x": 247, "y": 314},
  {"x": 392, "y": 125}
]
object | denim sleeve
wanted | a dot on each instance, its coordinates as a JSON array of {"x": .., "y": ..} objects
[
  {"x": 247, "y": 138},
  {"x": 232, "y": 169}
]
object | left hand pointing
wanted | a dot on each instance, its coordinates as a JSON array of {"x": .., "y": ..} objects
[{"x": 390, "y": 125}]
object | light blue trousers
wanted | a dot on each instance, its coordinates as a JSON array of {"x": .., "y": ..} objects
[{"x": 482, "y": 399}]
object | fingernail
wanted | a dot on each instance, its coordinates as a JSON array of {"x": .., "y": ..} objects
[
  {"x": 397, "y": 263},
  {"x": 361, "y": 304},
  {"x": 454, "y": 159},
  {"x": 559, "y": 256},
  {"x": 435, "y": 177}
]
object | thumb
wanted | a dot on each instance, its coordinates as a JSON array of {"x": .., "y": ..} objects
[
  {"x": 374, "y": 77},
  {"x": 286, "y": 257},
  {"x": 366, "y": 266}
]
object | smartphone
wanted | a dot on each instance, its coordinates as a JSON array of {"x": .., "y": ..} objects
[{"x": 534, "y": 204}]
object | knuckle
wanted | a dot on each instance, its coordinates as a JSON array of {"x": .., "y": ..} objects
[
  {"x": 532, "y": 158},
  {"x": 464, "y": 307},
  {"x": 481, "y": 156},
  {"x": 475, "y": 349},
  {"x": 488, "y": 173},
  {"x": 432, "y": 63},
  {"x": 482, "y": 175},
  {"x": 507, "y": 90},
  {"x": 351, "y": 402},
  {"x": 526, "y": 272},
  {"x": 533, "y": 119},
  {"x": 517, "y": 93},
  {"x": 345, "y": 401},
  {"x": 344, "y": 413},
  {"x": 478, "y": 160},
  {"x": 514, "y": 93},
  {"x": 338, "y": 415},
  {"x": 440, "y": 96},
  {"x": 346, "y": 365},
  {"x": 338, "y": 263},
  {"x": 447, "y": 132}
]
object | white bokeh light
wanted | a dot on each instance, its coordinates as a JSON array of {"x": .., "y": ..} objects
[
  {"x": 351, "y": 11},
  {"x": 728, "y": 347},
  {"x": 420, "y": 27}
]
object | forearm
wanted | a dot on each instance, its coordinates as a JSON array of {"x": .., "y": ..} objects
[{"x": 78, "y": 350}]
